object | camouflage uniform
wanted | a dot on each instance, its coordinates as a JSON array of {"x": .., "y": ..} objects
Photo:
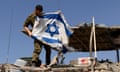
[{"x": 37, "y": 44}]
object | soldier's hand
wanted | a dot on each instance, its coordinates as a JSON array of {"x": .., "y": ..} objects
[
  {"x": 59, "y": 11},
  {"x": 28, "y": 31},
  {"x": 30, "y": 34}
]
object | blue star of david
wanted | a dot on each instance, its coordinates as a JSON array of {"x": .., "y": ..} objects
[{"x": 52, "y": 29}]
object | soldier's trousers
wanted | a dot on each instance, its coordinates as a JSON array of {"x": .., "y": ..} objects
[{"x": 37, "y": 50}]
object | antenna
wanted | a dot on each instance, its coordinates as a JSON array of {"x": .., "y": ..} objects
[
  {"x": 93, "y": 38},
  {"x": 94, "y": 35},
  {"x": 9, "y": 37}
]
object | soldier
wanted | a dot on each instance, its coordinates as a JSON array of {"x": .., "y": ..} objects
[{"x": 37, "y": 44}]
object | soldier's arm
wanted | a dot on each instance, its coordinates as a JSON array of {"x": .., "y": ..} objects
[{"x": 26, "y": 25}]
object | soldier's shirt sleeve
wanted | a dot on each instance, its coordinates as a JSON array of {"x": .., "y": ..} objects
[{"x": 27, "y": 21}]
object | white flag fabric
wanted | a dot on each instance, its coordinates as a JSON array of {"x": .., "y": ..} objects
[{"x": 52, "y": 29}]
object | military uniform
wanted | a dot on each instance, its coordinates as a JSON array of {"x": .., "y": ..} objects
[{"x": 37, "y": 44}]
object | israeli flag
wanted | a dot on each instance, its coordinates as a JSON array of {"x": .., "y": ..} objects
[{"x": 52, "y": 29}]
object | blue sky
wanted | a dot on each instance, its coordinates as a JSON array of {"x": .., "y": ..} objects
[{"x": 14, "y": 12}]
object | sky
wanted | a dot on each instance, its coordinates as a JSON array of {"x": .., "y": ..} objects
[{"x": 14, "y": 12}]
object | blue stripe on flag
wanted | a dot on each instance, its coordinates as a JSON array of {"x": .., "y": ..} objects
[
  {"x": 65, "y": 50},
  {"x": 58, "y": 17},
  {"x": 34, "y": 37},
  {"x": 48, "y": 40}
]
